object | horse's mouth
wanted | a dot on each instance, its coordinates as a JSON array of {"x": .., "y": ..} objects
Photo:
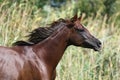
[
  {"x": 97, "y": 48},
  {"x": 94, "y": 46}
]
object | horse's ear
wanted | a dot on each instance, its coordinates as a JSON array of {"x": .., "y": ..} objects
[
  {"x": 80, "y": 18},
  {"x": 74, "y": 18}
]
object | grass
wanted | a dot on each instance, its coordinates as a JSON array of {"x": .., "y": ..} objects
[{"x": 77, "y": 63}]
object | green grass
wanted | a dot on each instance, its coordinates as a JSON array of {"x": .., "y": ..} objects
[{"x": 77, "y": 63}]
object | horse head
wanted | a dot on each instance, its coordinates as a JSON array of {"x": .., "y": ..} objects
[{"x": 80, "y": 36}]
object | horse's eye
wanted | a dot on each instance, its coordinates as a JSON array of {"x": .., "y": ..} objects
[{"x": 79, "y": 30}]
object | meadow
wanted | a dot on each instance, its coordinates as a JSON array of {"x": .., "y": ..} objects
[{"x": 17, "y": 20}]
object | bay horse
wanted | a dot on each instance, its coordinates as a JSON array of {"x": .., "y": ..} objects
[{"x": 37, "y": 58}]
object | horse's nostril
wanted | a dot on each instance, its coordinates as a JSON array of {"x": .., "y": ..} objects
[{"x": 99, "y": 44}]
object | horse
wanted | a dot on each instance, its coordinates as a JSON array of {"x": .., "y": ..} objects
[{"x": 37, "y": 58}]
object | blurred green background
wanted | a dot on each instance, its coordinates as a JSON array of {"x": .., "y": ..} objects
[{"x": 101, "y": 18}]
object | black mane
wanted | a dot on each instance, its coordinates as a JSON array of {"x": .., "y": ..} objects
[{"x": 40, "y": 34}]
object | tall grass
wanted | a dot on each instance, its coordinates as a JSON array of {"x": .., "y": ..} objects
[{"x": 77, "y": 63}]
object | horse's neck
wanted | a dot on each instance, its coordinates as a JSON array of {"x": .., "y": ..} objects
[{"x": 53, "y": 47}]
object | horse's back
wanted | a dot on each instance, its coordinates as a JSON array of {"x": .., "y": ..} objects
[
  {"x": 10, "y": 64},
  {"x": 17, "y": 63}
]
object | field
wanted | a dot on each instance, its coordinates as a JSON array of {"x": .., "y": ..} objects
[{"x": 18, "y": 20}]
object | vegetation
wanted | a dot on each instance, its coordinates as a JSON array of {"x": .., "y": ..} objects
[{"x": 19, "y": 17}]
